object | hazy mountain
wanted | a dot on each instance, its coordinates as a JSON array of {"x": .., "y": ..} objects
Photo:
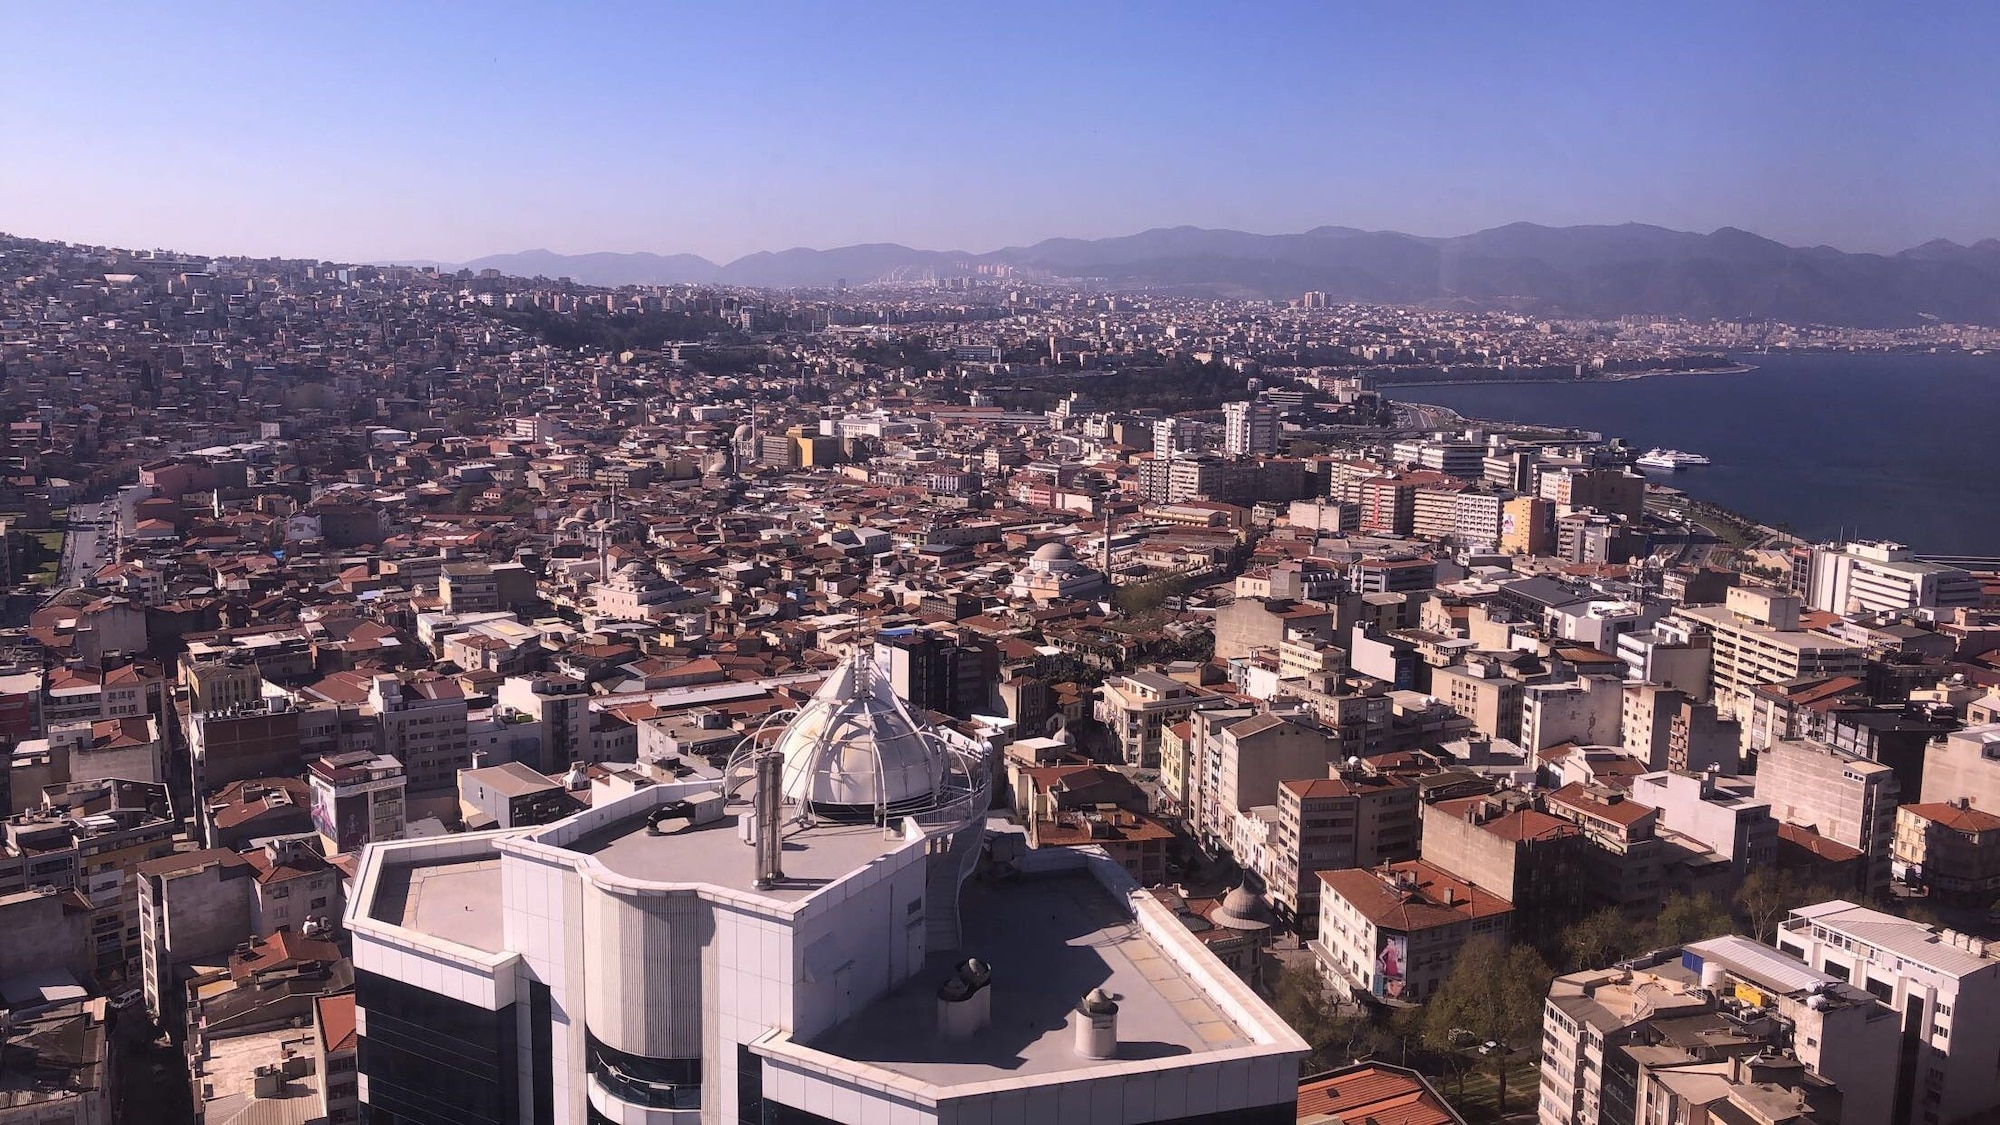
[
  {"x": 1581, "y": 270},
  {"x": 603, "y": 268}
]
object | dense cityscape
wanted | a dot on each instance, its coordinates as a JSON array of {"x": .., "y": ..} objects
[{"x": 434, "y": 696}]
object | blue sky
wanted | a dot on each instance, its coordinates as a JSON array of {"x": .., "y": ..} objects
[{"x": 449, "y": 131}]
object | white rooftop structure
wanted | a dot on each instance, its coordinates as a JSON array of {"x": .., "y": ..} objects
[
  {"x": 856, "y": 752},
  {"x": 822, "y": 934}
]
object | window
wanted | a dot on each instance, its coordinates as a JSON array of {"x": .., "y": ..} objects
[
  {"x": 431, "y": 1060},
  {"x": 654, "y": 1083}
]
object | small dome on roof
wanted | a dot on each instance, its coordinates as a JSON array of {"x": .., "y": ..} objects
[{"x": 1242, "y": 909}]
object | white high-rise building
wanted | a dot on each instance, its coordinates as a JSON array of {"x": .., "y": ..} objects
[
  {"x": 1885, "y": 578},
  {"x": 1249, "y": 428},
  {"x": 825, "y": 934},
  {"x": 1944, "y": 986},
  {"x": 1174, "y": 435}
]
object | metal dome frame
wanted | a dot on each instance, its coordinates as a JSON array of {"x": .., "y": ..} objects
[{"x": 959, "y": 792}]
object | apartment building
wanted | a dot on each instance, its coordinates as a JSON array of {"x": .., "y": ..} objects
[
  {"x": 1845, "y": 798},
  {"x": 1755, "y": 639},
  {"x": 1353, "y": 819},
  {"x": 1249, "y": 429},
  {"x": 94, "y": 836},
  {"x": 1952, "y": 848},
  {"x": 1253, "y": 756},
  {"x": 1667, "y": 730},
  {"x": 1393, "y": 932},
  {"x": 1585, "y": 711},
  {"x": 1943, "y": 986},
  {"x": 1964, "y": 765},
  {"x": 1135, "y": 708},
  {"x": 1719, "y": 1030},
  {"x": 1623, "y": 865},
  {"x": 244, "y": 741},
  {"x": 1481, "y": 690},
  {"x": 1502, "y": 843},
  {"x": 1713, "y": 814},
  {"x": 423, "y": 727},
  {"x": 357, "y": 799}
]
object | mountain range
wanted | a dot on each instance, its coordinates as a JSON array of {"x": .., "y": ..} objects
[{"x": 1594, "y": 271}]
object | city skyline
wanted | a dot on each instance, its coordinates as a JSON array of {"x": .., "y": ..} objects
[{"x": 393, "y": 134}]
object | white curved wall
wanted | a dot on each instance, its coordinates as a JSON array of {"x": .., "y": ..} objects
[{"x": 642, "y": 971}]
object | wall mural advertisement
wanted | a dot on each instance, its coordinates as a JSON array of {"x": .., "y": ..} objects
[{"x": 1392, "y": 958}]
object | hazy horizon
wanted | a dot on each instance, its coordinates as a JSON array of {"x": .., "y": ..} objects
[{"x": 379, "y": 133}]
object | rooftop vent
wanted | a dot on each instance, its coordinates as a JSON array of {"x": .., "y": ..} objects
[
  {"x": 1097, "y": 1026},
  {"x": 965, "y": 1000}
]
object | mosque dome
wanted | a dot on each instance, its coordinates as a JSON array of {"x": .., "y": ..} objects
[
  {"x": 1053, "y": 552},
  {"x": 1242, "y": 909}
]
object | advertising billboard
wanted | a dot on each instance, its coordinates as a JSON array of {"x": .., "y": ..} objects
[{"x": 1392, "y": 959}]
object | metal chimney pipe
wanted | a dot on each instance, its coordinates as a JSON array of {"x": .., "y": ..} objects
[{"x": 770, "y": 802}]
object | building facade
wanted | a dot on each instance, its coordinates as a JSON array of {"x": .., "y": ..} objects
[{"x": 798, "y": 942}]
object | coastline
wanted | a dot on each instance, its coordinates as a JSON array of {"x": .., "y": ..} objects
[
  {"x": 1754, "y": 534},
  {"x": 1787, "y": 482},
  {"x": 1618, "y": 377}
]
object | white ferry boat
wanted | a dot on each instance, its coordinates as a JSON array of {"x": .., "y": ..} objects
[{"x": 1670, "y": 460}]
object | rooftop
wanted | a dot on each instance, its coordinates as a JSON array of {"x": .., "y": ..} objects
[
  {"x": 1961, "y": 818},
  {"x": 1413, "y": 896},
  {"x": 1049, "y": 941},
  {"x": 230, "y": 1072},
  {"x": 457, "y": 900},
  {"x": 714, "y": 853},
  {"x": 509, "y": 779},
  {"x": 1386, "y": 1095},
  {"x": 1946, "y": 951}
]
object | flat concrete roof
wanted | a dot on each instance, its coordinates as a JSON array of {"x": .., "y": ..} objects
[
  {"x": 457, "y": 900},
  {"x": 1049, "y": 940},
  {"x": 715, "y": 853}
]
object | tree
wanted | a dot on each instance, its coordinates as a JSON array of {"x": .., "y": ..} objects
[
  {"x": 1768, "y": 894},
  {"x": 1686, "y": 918},
  {"x": 1336, "y": 1037},
  {"x": 1599, "y": 940},
  {"x": 1917, "y": 910},
  {"x": 1493, "y": 995}
]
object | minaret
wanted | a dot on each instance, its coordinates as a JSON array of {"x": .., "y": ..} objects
[{"x": 1105, "y": 554}]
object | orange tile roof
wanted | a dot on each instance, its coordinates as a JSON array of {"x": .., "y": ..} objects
[
  {"x": 1374, "y": 1092},
  {"x": 1821, "y": 846},
  {"x": 336, "y": 1022},
  {"x": 1339, "y": 786},
  {"x": 1418, "y": 906},
  {"x": 1955, "y": 818}
]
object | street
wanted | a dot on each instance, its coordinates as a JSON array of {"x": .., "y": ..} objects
[{"x": 82, "y": 541}]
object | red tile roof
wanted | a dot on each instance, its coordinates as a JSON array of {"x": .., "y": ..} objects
[
  {"x": 1420, "y": 903},
  {"x": 1820, "y": 846},
  {"x": 336, "y": 1022},
  {"x": 1955, "y": 818},
  {"x": 1374, "y": 1092}
]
